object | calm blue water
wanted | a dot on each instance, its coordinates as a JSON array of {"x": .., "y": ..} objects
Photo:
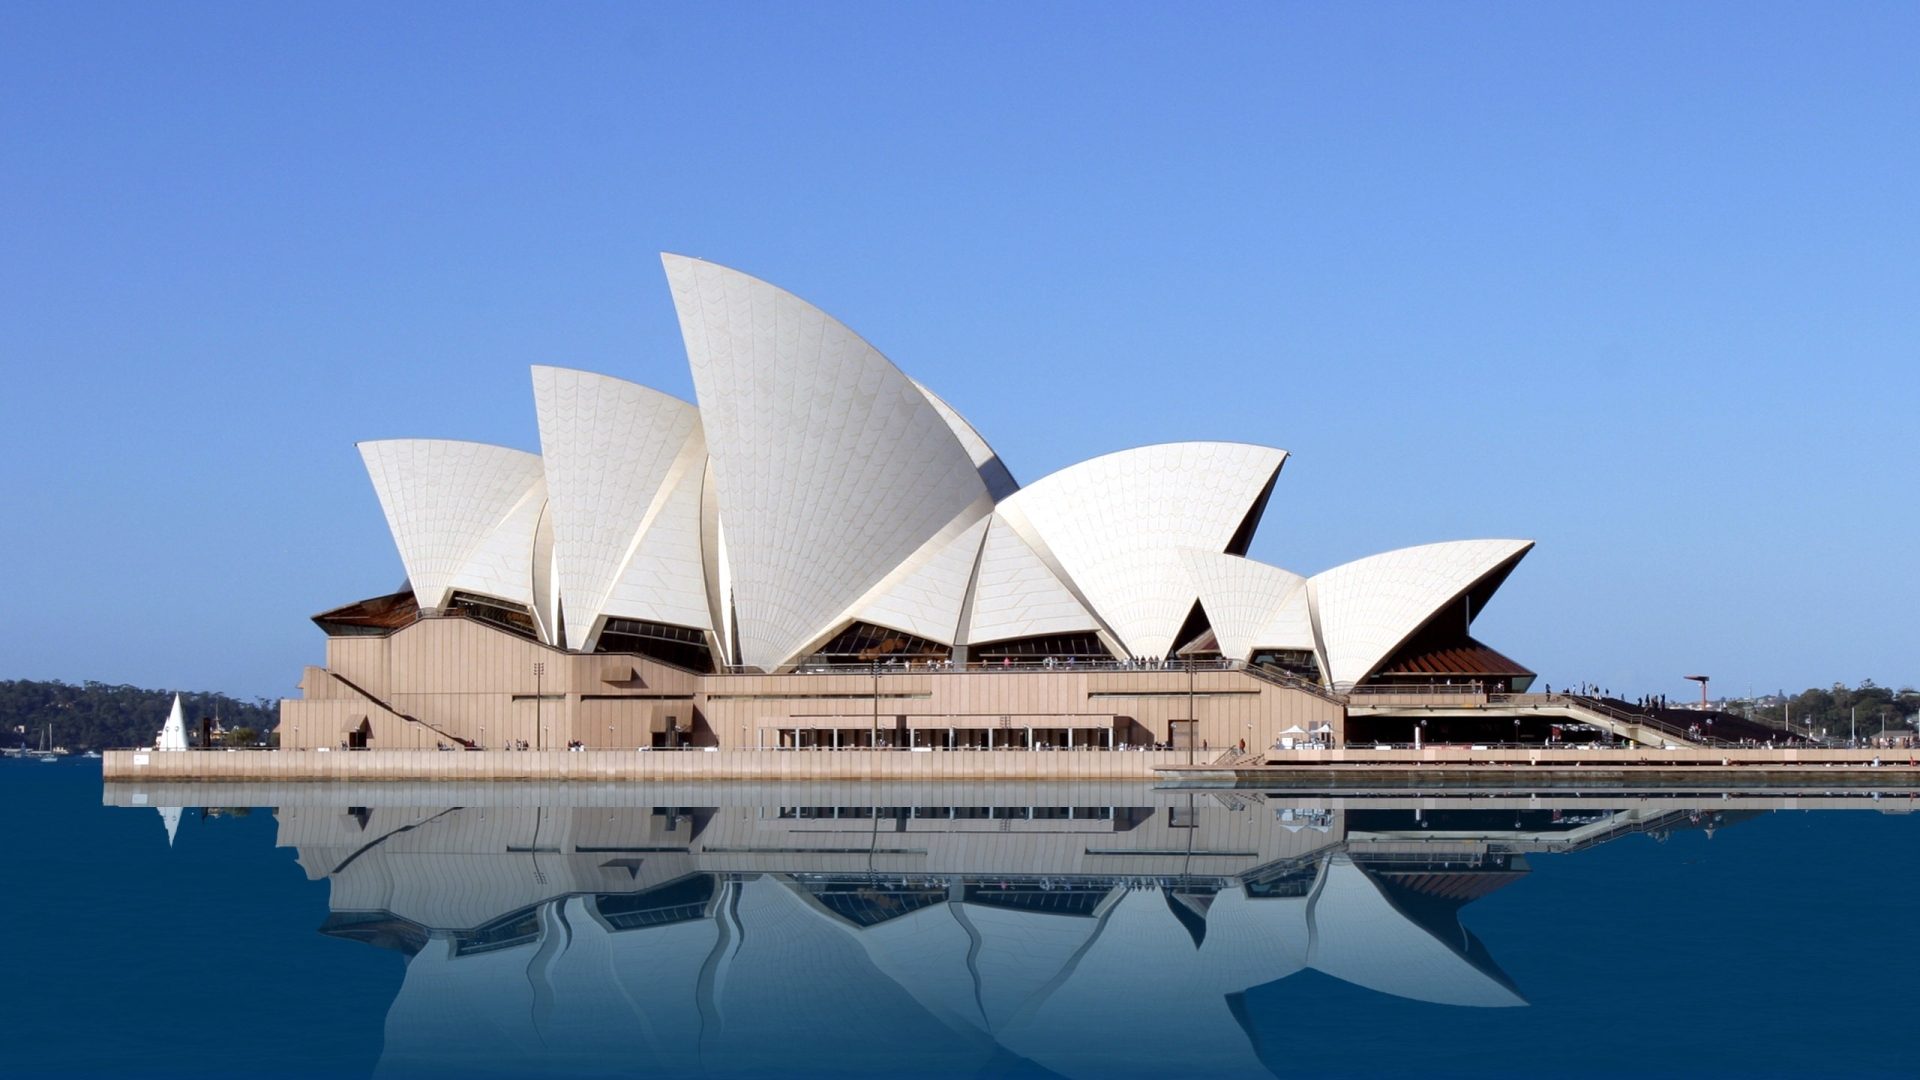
[{"x": 974, "y": 933}]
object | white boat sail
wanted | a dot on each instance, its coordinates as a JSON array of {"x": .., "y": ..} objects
[{"x": 174, "y": 735}]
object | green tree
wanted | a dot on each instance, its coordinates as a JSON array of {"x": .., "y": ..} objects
[
  {"x": 96, "y": 716},
  {"x": 1833, "y": 709}
]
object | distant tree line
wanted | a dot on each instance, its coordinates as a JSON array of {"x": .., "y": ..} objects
[
  {"x": 96, "y": 716},
  {"x": 1839, "y": 706}
]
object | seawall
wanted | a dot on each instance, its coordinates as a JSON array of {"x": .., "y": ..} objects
[
  {"x": 1695, "y": 769},
  {"x": 545, "y": 766},
  {"x": 1345, "y": 769}
]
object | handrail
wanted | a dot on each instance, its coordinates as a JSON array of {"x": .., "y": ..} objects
[
  {"x": 1429, "y": 689},
  {"x": 1649, "y": 720},
  {"x": 1622, "y": 716},
  {"x": 1060, "y": 666},
  {"x": 1290, "y": 681},
  {"x": 1666, "y": 727}
]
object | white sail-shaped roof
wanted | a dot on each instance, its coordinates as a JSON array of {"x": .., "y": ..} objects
[
  {"x": 925, "y": 594},
  {"x": 663, "y": 578},
  {"x": 993, "y": 472},
  {"x": 1250, "y": 604},
  {"x": 617, "y": 454},
  {"x": 503, "y": 565},
  {"x": 1367, "y": 608},
  {"x": 173, "y": 734},
  {"x": 1015, "y": 595},
  {"x": 831, "y": 466},
  {"x": 443, "y": 500},
  {"x": 1116, "y": 525}
]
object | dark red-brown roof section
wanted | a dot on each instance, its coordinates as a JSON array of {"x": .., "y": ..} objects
[
  {"x": 1466, "y": 658},
  {"x": 379, "y": 615}
]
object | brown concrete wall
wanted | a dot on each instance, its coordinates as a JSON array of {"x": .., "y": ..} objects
[
  {"x": 460, "y": 677},
  {"x": 467, "y": 679}
]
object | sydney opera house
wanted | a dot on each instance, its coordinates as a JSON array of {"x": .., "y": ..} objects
[{"x": 822, "y": 553}]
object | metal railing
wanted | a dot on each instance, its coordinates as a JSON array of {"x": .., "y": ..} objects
[
  {"x": 1041, "y": 664},
  {"x": 1057, "y": 665},
  {"x": 1289, "y": 680},
  {"x": 1431, "y": 689}
]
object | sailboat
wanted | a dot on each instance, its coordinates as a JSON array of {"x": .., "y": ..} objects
[
  {"x": 48, "y": 752},
  {"x": 174, "y": 735}
]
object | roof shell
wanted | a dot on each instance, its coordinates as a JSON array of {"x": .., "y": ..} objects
[
  {"x": 663, "y": 580},
  {"x": 443, "y": 500},
  {"x": 615, "y": 454},
  {"x": 993, "y": 472},
  {"x": 1016, "y": 595},
  {"x": 831, "y": 466},
  {"x": 1366, "y": 609},
  {"x": 1116, "y": 524},
  {"x": 1250, "y": 604},
  {"x": 503, "y": 565},
  {"x": 925, "y": 594}
]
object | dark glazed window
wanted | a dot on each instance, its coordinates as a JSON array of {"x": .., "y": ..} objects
[
  {"x": 865, "y": 643},
  {"x": 681, "y": 646}
]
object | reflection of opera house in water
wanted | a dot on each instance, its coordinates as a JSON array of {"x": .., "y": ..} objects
[{"x": 1087, "y": 939}]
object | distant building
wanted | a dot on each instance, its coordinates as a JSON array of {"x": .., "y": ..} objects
[{"x": 821, "y": 514}]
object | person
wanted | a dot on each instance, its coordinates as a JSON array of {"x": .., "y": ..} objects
[{"x": 1243, "y": 746}]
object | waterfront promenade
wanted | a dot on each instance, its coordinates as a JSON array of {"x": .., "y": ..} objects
[{"x": 1697, "y": 768}]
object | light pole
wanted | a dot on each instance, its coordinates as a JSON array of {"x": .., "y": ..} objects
[
  {"x": 1193, "y": 721},
  {"x": 539, "y": 674}
]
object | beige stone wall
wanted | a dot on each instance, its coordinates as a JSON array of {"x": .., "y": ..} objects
[{"x": 443, "y": 678}]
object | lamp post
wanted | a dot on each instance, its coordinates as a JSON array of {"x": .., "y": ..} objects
[
  {"x": 539, "y": 674},
  {"x": 1193, "y": 721}
]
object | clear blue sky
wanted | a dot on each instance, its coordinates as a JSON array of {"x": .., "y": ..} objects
[{"x": 1641, "y": 282}]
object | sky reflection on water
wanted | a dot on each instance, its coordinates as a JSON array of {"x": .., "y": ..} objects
[{"x": 1013, "y": 930}]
